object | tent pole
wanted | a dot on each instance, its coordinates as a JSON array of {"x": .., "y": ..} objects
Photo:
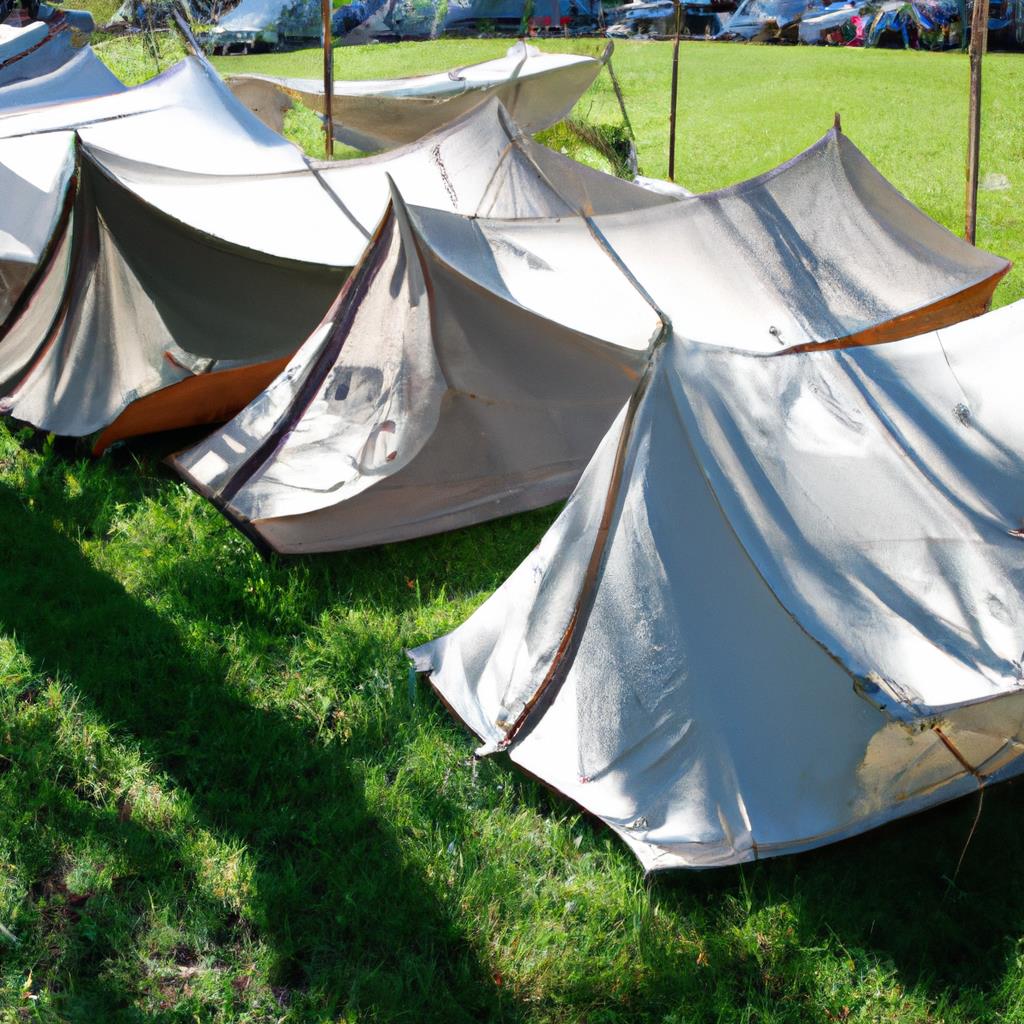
[
  {"x": 325, "y": 9},
  {"x": 979, "y": 40},
  {"x": 675, "y": 95},
  {"x": 191, "y": 43}
]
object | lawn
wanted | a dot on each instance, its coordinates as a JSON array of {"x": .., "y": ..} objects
[{"x": 220, "y": 800}]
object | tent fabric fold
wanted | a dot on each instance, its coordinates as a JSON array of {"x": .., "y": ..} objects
[
  {"x": 854, "y": 517},
  {"x": 537, "y": 89}
]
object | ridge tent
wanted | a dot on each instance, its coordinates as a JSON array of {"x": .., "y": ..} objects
[
  {"x": 537, "y": 89},
  {"x": 429, "y": 398},
  {"x": 184, "y": 119},
  {"x": 757, "y": 261},
  {"x": 82, "y": 77},
  {"x": 783, "y": 605},
  {"x": 192, "y": 324}
]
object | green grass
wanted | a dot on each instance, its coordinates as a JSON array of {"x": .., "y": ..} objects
[{"x": 219, "y": 803}]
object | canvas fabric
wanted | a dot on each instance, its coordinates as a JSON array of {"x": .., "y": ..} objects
[{"x": 427, "y": 399}]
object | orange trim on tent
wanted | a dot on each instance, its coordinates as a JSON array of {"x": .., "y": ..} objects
[
  {"x": 205, "y": 398},
  {"x": 953, "y": 309}
]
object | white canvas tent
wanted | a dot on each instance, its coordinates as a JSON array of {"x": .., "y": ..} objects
[
  {"x": 208, "y": 301},
  {"x": 428, "y": 399},
  {"x": 537, "y": 89},
  {"x": 757, "y": 262},
  {"x": 783, "y": 605}
]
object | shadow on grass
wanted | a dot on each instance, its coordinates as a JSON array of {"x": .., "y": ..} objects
[{"x": 345, "y": 914}]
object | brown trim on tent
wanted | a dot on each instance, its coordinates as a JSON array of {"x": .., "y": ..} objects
[
  {"x": 204, "y": 398},
  {"x": 57, "y": 24},
  {"x": 953, "y": 309}
]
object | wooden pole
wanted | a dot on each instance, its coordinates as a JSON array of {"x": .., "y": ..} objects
[
  {"x": 325, "y": 8},
  {"x": 979, "y": 40},
  {"x": 675, "y": 96}
]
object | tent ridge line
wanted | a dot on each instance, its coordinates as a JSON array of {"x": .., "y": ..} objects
[{"x": 568, "y": 647}]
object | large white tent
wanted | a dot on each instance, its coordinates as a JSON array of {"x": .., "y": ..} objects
[
  {"x": 783, "y": 605},
  {"x": 429, "y": 398},
  {"x": 537, "y": 89},
  {"x": 758, "y": 262}
]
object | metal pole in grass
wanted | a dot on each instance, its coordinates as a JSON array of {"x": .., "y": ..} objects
[
  {"x": 675, "y": 96},
  {"x": 979, "y": 39},
  {"x": 325, "y": 9}
]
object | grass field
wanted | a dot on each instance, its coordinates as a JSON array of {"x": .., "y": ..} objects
[{"x": 220, "y": 802}]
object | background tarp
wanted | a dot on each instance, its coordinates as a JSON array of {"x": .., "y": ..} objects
[{"x": 537, "y": 89}]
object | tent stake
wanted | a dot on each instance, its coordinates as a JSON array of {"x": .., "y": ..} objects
[
  {"x": 325, "y": 9},
  {"x": 675, "y": 94},
  {"x": 979, "y": 40}
]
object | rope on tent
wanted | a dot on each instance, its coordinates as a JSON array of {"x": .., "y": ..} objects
[
  {"x": 618, "y": 92},
  {"x": 970, "y": 835},
  {"x": 633, "y": 162}
]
